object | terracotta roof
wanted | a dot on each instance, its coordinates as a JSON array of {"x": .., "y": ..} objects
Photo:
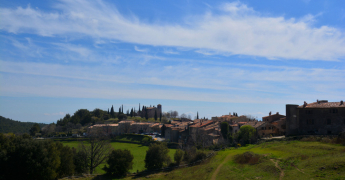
[
  {"x": 104, "y": 125},
  {"x": 323, "y": 104},
  {"x": 168, "y": 125},
  {"x": 255, "y": 124},
  {"x": 205, "y": 123},
  {"x": 242, "y": 122}
]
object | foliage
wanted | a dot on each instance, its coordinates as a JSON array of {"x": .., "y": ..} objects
[
  {"x": 81, "y": 162},
  {"x": 97, "y": 149},
  {"x": 224, "y": 128},
  {"x": 11, "y": 126},
  {"x": 122, "y": 117},
  {"x": 119, "y": 162},
  {"x": 247, "y": 158},
  {"x": 35, "y": 129},
  {"x": 178, "y": 156},
  {"x": 157, "y": 156},
  {"x": 35, "y": 159},
  {"x": 246, "y": 134}
]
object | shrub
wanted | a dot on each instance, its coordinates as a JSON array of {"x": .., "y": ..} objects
[
  {"x": 157, "y": 156},
  {"x": 119, "y": 163},
  {"x": 178, "y": 156},
  {"x": 247, "y": 158}
]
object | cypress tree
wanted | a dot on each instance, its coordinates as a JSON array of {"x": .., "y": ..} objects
[
  {"x": 122, "y": 108},
  {"x": 139, "y": 107},
  {"x": 197, "y": 115},
  {"x": 108, "y": 110},
  {"x": 160, "y": 117},
  {"x": 156, "y": 115}
]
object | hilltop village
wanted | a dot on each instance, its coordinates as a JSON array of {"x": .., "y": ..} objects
[{"x": 316, "y": 118}]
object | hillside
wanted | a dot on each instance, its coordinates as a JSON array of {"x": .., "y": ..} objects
[
  {"x": 279, "y": 160},
  {"x": 11, "y": 126}
]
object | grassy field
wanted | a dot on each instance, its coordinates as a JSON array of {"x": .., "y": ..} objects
[
  {"x": 137, "y": 150},
  {"x": 280, "y": 160}
]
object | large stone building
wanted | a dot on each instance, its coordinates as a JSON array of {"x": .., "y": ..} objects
[
  {"x": 319, "y": 118},
  {"x": 151, "y": 111}
]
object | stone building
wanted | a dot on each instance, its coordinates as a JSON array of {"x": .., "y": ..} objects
[
  {"x": 152, "y": 110},
  {"x": 319, "y": 118},
  {"x": 273, "y": 124}
]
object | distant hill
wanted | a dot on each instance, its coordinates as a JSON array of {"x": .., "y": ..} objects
[{"x": 8, "y": 125}]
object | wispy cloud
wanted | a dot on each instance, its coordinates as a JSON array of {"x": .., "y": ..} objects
[
  {"x": 140, "y": 50},
  {"x": 237, "y": 29}
]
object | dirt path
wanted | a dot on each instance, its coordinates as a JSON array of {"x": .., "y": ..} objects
[
  {"x": 214, "y": 175},
  {"x": 281, "y": 171}
]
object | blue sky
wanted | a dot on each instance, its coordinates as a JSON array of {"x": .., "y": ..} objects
[{"x": 215, "y": 57}]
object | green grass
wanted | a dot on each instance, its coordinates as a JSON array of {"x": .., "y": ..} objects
[
  {"x": 298, "y": 160},
  {"x": 138, "y": 151}
]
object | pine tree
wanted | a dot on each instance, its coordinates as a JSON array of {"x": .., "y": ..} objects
[{"x": 197, "y": 115}]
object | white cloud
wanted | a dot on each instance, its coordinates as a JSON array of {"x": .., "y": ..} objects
[
  {"x": 140, "y": 50},
  {"x": 238, "y": 30}
]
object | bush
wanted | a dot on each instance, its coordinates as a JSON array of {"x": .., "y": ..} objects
[
  {"x": 247, "y": 158},
  {"x": 119, "y": 163},
  {"x": 157, "y": 156},
  {"x": 178, "y": 156}
]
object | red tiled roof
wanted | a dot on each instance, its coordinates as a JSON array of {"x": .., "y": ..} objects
[{"x": 323, "y": 104}]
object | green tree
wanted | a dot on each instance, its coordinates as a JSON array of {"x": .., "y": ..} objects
[
  {"x": 247, "y": 134},
  {"x": 81, "y": 162},
  {"x": 224, "y": 129},
  {"x": 157, "y": 156},
  {"x": 67, "y": 166},
  {"x": 119, "y": 163},
  {"x": 35, "y": 129},
  {"x": 97, "y": 149},
  {"x": 178, "y": 156}
]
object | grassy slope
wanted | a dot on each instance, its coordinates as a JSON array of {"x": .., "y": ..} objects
[
  {"x": 137, "y": 150},
  {"x": 298, "y": 160}
]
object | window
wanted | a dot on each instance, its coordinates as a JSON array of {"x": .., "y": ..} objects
[
  {"x": 262, "y": 128},
  {"x": 329, "y": 121}
]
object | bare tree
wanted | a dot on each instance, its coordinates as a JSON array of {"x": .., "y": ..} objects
[{"x": 97, "y": 148}]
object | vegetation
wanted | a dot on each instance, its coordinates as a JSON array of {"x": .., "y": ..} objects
[
  {"x": 35, "y": 129},
  {"x": 178, "y": 156},
  {"x": 247, "y": 135},
  {"x": 97, "y": 149},
  {"x": 157, "y": 156},
  {"x": 137, "y": 150},
  {"x": 285, "y": 159},
  {"x": 119, "y": 163},
  {"x": 35, "y": 159},
  {"x": 11, "y": 126}
]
